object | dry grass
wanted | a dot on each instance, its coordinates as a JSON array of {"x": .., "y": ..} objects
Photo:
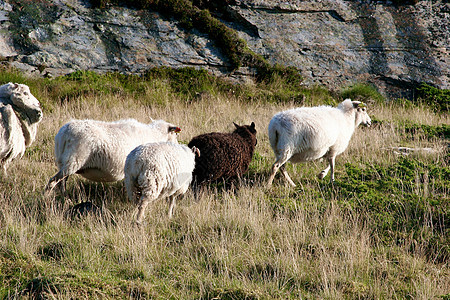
[{"x": 223, "y": 245}]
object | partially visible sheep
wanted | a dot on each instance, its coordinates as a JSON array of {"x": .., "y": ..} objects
[
  {"x": 156, "y": 171},
  {"x": 224, "y": 155},
  {"x": 97, "y": 150},
  {"x": 20, "y": 114},
  {"x": 309, "y": 133}
]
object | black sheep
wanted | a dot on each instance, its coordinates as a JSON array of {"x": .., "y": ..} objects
[{"x": 223, "y": 155}]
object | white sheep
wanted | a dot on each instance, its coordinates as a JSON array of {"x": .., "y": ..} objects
[
  {"x": 20, "y": 114},
  {"x": 156, "y": 171},
  {"x": 97, "y": 150},
  {"x": 309, "y": 133}
]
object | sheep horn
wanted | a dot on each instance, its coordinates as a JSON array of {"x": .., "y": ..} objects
[
  {"x": 356, "y": 104},
  {"x": 175, "y": 129},
  {"x": 195, "y": 150}
]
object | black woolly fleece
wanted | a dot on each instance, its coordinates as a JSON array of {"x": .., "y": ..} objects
[{"x": 223, "y": 155}]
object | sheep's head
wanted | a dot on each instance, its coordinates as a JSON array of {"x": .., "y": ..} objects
[
  {"x": 361, "y": 113},
  {"x": 173, "y": 132},
  {"x": 24, "y": 102},
  {"x": 167, "y": 128},
  {"x": 247, "y": 131}
]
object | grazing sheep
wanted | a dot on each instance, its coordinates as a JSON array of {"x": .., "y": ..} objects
[
  {"x": 97, "y": 150},
  {"x": 224, "y": 155},
  {"x": 20, "y": 114},
  {"x": 309, "y": 133},
  {"x": 156, "y": 171}
]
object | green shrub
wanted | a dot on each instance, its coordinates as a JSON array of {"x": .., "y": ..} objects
[
  {"x": 436, "y": 98},
  {"x": 429, "y": 131},
  {"x": 196, "y": 15},
  {"x": 189, "y": 81},
  {"x": 362, "y": 92}
]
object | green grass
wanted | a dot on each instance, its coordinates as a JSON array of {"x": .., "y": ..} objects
[{"x": 381, "y": 231}]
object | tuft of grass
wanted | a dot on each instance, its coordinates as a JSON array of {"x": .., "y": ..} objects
[{"x": 402, "y": 198}]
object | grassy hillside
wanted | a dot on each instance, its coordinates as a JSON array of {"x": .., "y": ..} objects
[{"x": 381, "y": 232}]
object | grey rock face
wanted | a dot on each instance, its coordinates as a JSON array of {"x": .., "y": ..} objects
[
  {"x": 334, "y": 42},
  {"x": 337, "y": 43},
  {"x": 115, "y": 39}
]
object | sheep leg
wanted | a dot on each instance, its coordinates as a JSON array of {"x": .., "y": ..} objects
[
  {"x": 62, "y": 185},
  {"x": 275, "y": 168},
  {"x": 172, "y": 200},
  {"x": 143, "y": 202},
  {"x": 5, "y": 173},
  {"x": 331, "y": 162},
  {"x": 324, "y": 173},
  {"x": 59, "y": 178},
  {"x": 277, "y": 165},
  {"x": 286, "y": 176}
]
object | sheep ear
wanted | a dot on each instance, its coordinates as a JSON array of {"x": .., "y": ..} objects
[
  {"x": 252, "y": 125},
  {"x": 236, "y": 125},
  {"x": 16, "y": 85},
  {"x": 346, "y": 105}
]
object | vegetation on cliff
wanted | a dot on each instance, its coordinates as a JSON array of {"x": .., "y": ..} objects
[{"x": 197, "y": 14}]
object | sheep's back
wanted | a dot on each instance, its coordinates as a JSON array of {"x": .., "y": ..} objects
[
  {"x": 307, "y": 132},
  {"x": 101, "y": 147},
  {"x": 159, "y": 169}
]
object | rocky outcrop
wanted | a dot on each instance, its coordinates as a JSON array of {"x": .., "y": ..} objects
[
  {"x": 68, "y": 35},
  {"x": 333, "y": 42},
  {"x": 337, "y": 43}
]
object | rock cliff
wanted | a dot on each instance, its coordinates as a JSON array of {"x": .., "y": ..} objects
[{"x": 333, "y": 42}]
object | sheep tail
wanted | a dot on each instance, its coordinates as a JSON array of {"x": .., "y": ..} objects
[{"x": 274, "y": 140}]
